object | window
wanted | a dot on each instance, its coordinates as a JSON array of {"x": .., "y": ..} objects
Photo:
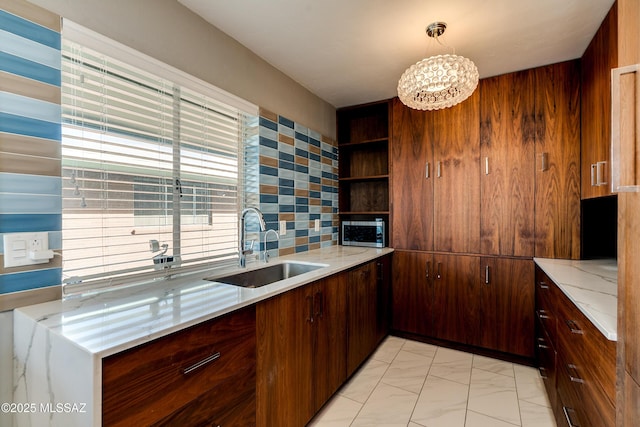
[{"x": 145, "y": 157}]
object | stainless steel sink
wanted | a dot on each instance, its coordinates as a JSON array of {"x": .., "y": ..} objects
[{"x": 267, "y": 275}]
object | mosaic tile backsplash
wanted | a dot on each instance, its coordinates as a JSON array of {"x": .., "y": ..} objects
[{"x": 298, "y": 183}]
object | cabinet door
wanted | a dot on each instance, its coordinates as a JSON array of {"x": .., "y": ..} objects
[
  {"x": 285, "y": 359},
  {"x": 456, "y": 193},
  {"x": 383, "y": 321},
  {"x": 361, "y": 327},
  {"x": 508, "y": 303},
  {"x": 628, "y": 369},
  {"x": 456, "y": 304},
  {"x": 596, "y": 64},
  {"x": 507, "y": 144},
  {"x": 412, "y": 292},
  {"x": 557, "y": 199},
  {"x": 411, "y": 179},
  {"x": 330, "y": 346}
]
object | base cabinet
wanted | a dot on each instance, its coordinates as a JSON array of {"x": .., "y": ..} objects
[
  {"x": 301, "y": 351},
  {"x": 204, "y": 375},
  {"x": 581, "y": 385},
  {"x": 362, "y": 304},
  {"x": 480, "y": 301}
]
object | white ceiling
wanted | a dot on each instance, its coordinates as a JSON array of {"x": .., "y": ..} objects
[{"x": 353, "y": 51}]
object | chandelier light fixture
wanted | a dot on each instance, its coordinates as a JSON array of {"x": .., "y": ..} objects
[{"x": 440, "y": 81}]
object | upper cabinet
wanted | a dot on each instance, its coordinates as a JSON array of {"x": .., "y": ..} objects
[
  {"x": 434, "y": 178},
  {"x": 557, "y": 168},
  {"x": 597, "y": 62},
  {"x": 507, "y": 153},
  {"x": 363, "y": 141}
]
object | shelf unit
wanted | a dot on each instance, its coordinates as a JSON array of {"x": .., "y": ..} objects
[{"x": 363, "y": 143}]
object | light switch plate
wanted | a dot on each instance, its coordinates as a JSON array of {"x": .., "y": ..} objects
[
  {"x": 18, "y": 245},
  {"x": 316, "y": 225},
  {"x": 283, "y": 228}
]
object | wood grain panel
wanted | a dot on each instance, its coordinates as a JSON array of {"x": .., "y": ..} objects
[
  {"x": 508, "y": 305},
  {"x": 456, "y": 306},
  {"x": 362, "y": 308},
  {"x": 366, "y": 159},
  {"x": 507, "y": 145},
  {"x": 143, "y": 385},
  {"x": 557, "y": 199},
  {"x": 412, "y": 191},
  {"x": 631, "y": 396},
  {"x": 456, "y": 193},
  {"x": 598, "y": 60},
  {"x": 412, "y": 292},
  {"x": 284, "y": 362},
  {"x": 330, "y": 345}
]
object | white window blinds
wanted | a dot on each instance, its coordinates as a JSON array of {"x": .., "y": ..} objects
[{"x": 144, "y": 159}]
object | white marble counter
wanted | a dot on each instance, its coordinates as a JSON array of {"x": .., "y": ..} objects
[
  {"x": 58, "y": 345},
  {"x": 592, "y": 285}
]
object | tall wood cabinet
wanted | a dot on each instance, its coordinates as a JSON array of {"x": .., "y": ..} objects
[
  {"x": 557, "y": 179},
  {"x": 627, "y": 119},
  {"x": 598, "y": 60},
  {"x": 477, "y": 190},
  {"x": 507, "y": 145},
  {"x": 412, "y": 179}
]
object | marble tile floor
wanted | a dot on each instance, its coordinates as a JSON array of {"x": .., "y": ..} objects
[{"x": 412, "y": 384}]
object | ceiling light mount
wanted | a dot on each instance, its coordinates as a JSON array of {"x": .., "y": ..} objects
[
  {"x": 440, "y": 81},
  {"x": 436, "y": 29}
]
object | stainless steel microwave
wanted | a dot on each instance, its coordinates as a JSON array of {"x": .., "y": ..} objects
[{"x": 363, "y": 233}]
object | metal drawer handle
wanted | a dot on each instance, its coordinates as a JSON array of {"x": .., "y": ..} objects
[
  {"x": 574, "y": 378},
  {"x": 568, "y": 418},
  {"x": 542, "y": 315},
  {"x": 543, "y": 285},
  {"x": 542, "y": 371},
  {"x": 574, "y": 328},
  {"x": 201, "y": 363},
  {"x": 541, "y": 343}
]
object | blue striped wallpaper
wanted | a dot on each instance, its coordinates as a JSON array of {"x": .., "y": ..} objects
[{"x": 30, "y": 200}]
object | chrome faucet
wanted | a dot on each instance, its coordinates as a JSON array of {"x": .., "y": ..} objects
[
  {"x": 242, "y": 250},
  {"x": 266, "y": 252}
]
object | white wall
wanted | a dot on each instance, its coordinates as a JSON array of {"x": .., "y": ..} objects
[{"x": 169, "y": 32}]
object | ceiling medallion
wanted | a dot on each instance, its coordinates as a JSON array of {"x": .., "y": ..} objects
[{"x": 440, "y": 81}]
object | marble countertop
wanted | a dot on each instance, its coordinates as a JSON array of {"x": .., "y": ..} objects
[
  {"x": 110, "y": 322},
  {"x": 592, "y": 285}
]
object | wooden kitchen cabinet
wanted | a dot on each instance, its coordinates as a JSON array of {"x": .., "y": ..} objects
[
  {"x": 204, "y": 375},
  {"x": 456, "y": 298},
  {"x": 301, "y": 351},
  {"x": 456, "y": 188},
  {"x": 412, "y": 176},
  {"x": 581, "y": 381},
  {"x": 507, "y": 156},
  {"x": 508, "y": 303},
  {"x": 596, "y": 63},
  {"x": 412, "y": 292},
  {"x": 362, "y": 309},
  {"x": 627, "y": 121},
  {"x": 557, "y": 188},
  {"x": 383, "y": 303},
  {"x": 435, "y": 187}
]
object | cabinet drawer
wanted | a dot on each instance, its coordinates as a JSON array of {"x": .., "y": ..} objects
[
  {"x": 146, "y": 384},
  {"x": 546, "y": 295},
  {"x": 570, "y": 411},
  {"x": 546, "y": 355},
  {"x": 589, "y": 360}
]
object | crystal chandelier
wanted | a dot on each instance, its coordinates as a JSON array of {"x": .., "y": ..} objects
[{"x": 440, "y": 81}]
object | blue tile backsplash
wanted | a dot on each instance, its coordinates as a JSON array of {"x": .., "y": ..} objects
[{"x": 298, "y": 184}]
